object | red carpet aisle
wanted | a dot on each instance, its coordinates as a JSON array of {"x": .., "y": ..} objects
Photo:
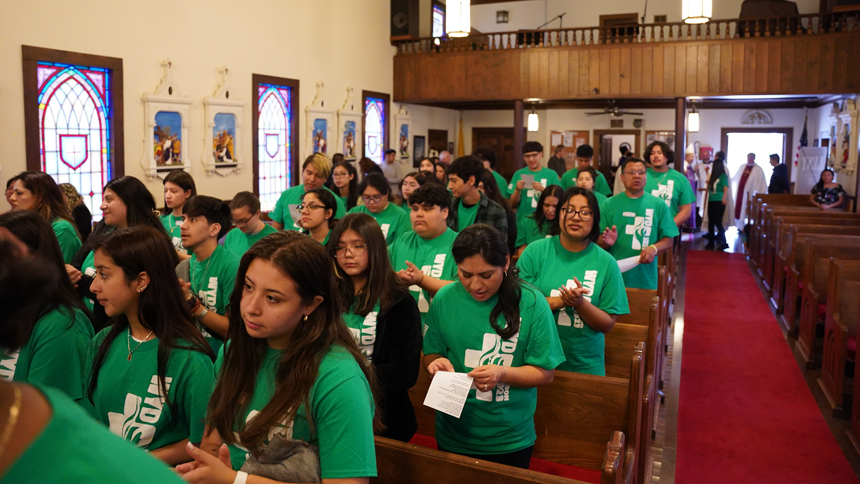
[{"x": 745, "y": 412}]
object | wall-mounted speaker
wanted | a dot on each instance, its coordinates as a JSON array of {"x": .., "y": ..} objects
[{"x": 404, "y": 19}]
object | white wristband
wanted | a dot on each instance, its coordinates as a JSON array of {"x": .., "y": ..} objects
[{"x": 241, "y": 478}]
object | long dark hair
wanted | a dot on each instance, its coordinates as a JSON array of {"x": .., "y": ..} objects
[
  {"x": 719, "y": 168},
  {"x": 139, "y": 204},
  {"x": 22, "y": 280},
  {"x": 35, "y": 232},
  {"x": 820, "y": 185},
  {"x": 491, "y": 189},
  {"x": 352, "y": 197},
  {"x": 382, "y": 283},
  {"x": 489, "y": 243},
  {"x": 592, "y": 205},
  {"x": 307, "y": 263},
  {"x": 328, "y": 201},
  {"x": 418, "y": 177},
  {"x": 538, "y": 215},
  {"x": 667, "y": 152},
  {"x": 184, "y": 181},
  {"x": 161, "y": 308},
  {"x": 49, "y": 197}
]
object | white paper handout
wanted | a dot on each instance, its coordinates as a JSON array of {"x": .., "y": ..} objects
[
  {"x": 528, "y": 180},
  {"x": 294, "y": 214},
  {"x": 448, "y": 392},
  {"x": 628, "y": 263}
]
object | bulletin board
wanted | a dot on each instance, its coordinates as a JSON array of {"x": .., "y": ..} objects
[{"x": 571, "y": 141}]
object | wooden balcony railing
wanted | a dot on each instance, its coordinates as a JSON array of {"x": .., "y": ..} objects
[{"x": 811, "y": 24}]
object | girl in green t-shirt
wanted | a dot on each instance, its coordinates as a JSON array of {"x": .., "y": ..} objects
[
  {"x": 718, "y": 193},
  {"x": 317, "y": 214},
  {"x": 344, "y": 183},
  {"x": 290, "y": 370},
  {"x": 179, "y": 186},
  {"x": 382, "y": 316},
  {"x": 586, "y": 179},
  {"x": 582, "y": 284},
  {"x": 542, "y": 223},
  {"x": 376, "y": 195},
  {"x": 153, "y": 390},
  {"x": 56, "y": 335},
  {"x": 411, "y": 182},
  {"x": 499, "y": 331},
  {"x": 38, "y": 192}
]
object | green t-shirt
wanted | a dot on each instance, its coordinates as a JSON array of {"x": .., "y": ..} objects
[
  {"x": 393, "y": 221},
  {"x": 432, "y": 256},
  {"x": 67, "y": 236},
  {"x": 640, "y": 222},
  {"x": 501, "y": 420},
  {"x": 239, "y": 242},
  {"x": 171, "y": 225},
  {"x": 293, "y": 196},
  {"x": 72, "y": 449},
  {"x": 503, "y": 185},
  {"x": 672, "y": 187},
  {"x": 528, "y": 196},
  {"x": 128, "y": 396},
  {"x": 54, "y": 355},
  {"x": 597, "y": 271},
  {"x": 213, "y": 280},
  {"x": 528, "y": 230},
  {"x": 89, "y": 263},
  {"x": 465, "y": 215},
  {"x": 342, "y": 408},
  {"x": 600, "y": 198},
  {"x": 600, "y": 185},
  {"x": 363, "y": 329},
  {"x": 717, "y": 194}
]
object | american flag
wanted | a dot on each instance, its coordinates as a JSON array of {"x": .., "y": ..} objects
[{"x": 804, "y": 140}]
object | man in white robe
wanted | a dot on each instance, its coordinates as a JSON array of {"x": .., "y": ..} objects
[{"x": 748, "y": 179}]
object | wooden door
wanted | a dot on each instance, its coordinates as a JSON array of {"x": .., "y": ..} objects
[
  {"x": 501, "y": 140},
  {"x": 604, "y": 163},
  {"x": 437, "y": 139}
]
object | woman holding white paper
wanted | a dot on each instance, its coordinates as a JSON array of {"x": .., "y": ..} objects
[
  {"x": 499, "y": 330},
  {"x": 582, "y": 284}
]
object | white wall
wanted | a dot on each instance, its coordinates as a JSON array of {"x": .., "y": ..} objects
[
  {"x": 530, "y": 14},
  {"x": 339, "y": 42}
]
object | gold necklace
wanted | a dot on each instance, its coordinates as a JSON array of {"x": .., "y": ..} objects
[
  {"x": 131, "y": 351},
  {"x": 14, "y": 411}
]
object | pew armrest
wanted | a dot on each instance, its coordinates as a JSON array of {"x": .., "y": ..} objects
[{"x": 613, "y": 464}]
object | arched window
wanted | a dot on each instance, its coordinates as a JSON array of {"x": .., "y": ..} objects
[
  {"x": 276, "y": 132},
  {"x": 375, "y": 125},
  {"x": 72, "y": 137}
]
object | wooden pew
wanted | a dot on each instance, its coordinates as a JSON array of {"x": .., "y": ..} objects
[
  {"x": 816, "y": 271},
  {"x": 399, "y": 463},
  {"x": 755, "y": 215},
  {"x": 840, "y": 324},
  {"x": 794, "y": 275},
  {"x": 767, "y": 227},
  {"x": 621, "y": 341},
  {"x": 787, "y": 230},
  {"x": 576, "y": 416},
  {"x": 770, "y": 239}
]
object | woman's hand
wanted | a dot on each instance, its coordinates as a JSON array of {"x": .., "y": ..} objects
[
  {"x": 573, "y": 297},
  {"x": 487, "y": 376},
  {"x": 608, "y": 237},
  {"x": 439, "y": 364},
  {"x": 412, "y": 275},
  {"x": 207, "y": 469},
  {"x": 74, "y": 274}
]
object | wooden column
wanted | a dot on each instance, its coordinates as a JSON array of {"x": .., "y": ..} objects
[
  {"x": 680, "y": 132},
  {"x": 518, "y": 133}
]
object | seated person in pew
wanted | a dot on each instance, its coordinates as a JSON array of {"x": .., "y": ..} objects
[
  {"x": 315, "y": 171},
  {"x": 581, "y": 282},
  {"x": 422, "y": 257},
  {"x": 245, "y": 211},
  {"x": 317, "y": 214},
  {"x": 290, "y": 371},
  {"x": 827, "y": 194},
  {"x": 381, "y": 315},
  {"x": 500, "y": 331},
  {"x": 375, "y": 193},
  {"x": 635, "y": 223},
  {"x": 543, "y": 223}
]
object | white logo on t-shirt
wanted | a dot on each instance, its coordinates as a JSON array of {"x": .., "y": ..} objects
[
  {"x": 588, "y": 282},
  {"x": 136, "y": 423},
  {"x": 385, "y": 228},
  {"x": 640, "y": 229},
  {"x": 366, "y": 336},
  {"x": 493, "y": 351},
  {"x": 665, "y": 192},
  {"x": 8, "y": 365},
  {"x": 534, "y": 194},
  {"x": 210, "y": 297}
]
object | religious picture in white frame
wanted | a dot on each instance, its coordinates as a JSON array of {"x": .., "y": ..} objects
[
  {"x": 404, "y": 140},
  {"x": 349, "y": 140},
  {"x": 167, "y": 139},
  {"x": 320, "y": 135},
  {"x": 223, "y": 137}
]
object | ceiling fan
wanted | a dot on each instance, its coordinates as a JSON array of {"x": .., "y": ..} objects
[{"x": 613, "y": 110}]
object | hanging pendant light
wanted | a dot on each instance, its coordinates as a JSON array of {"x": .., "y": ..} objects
[
  {"x": 693, "y": 121},
  {"x": 696, "y": 11},
  {"x": 457, "y": 18},
  {"x": 533, "y": 122}
]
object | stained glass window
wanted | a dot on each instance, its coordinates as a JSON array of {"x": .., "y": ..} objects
[
  {"x": 274, "y": 153},
  {"x": 438, "y": 21},
  {"x": 75, "y": 109},
  {"x": 374, "y": 129}
]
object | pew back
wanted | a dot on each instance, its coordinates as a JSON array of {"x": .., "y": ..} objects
[
  {"x": 621, "y": 343},
  {"x": 840, "y": 324}
]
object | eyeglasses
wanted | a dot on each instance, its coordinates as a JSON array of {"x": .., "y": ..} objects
[
  {"x": 372, "y": 199},
  {"x": 243, "y": 222},
  {"x": 584, "y": 214},
  {"x": 355, "y": 250},
  {"x": 635, "y": 173},
  {"x": 340, "y": 175},
  {"x": 311, "y": 207},
  {"x": 531, "y": 155}
]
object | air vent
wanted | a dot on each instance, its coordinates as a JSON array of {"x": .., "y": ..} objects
[
  {"x": 659, "y": 19},
  {"x": 616, "y": 123}
]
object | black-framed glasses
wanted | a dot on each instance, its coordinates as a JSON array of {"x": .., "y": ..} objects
[
  {"x": 311, "y": 206},
  {"x": 355, "y": 250},
  {"x": 243, "y": 222},
  {"x": 584, "y": 214},
  {"x": 372, "y": 198}
]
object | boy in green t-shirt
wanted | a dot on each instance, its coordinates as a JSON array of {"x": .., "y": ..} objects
[
  {"x": 635, "y": 223},
  {"x": 375, "y": 193},
  {"x": 422, "y": 258},
  {"x": 315, "y": 171},
  {"x": 488, "y": 157},
  {"x": 212, "y": 269},
  {"x": 541, "y": 177},
  {"x": 245, "y": 211},
  {"x": 584, "y": 156},
  {"x": 667, "y": 184},
  {"x": 470, "y": 205}
]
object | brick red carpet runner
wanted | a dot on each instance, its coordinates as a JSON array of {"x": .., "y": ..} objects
[{"x": 745, "y": 411}]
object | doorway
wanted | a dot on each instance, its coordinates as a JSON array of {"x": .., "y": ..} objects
[
  {"x": 501, "y": 140},
  {"x": 737, "y": 143},
  {"x": 606, "y": 152}
]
